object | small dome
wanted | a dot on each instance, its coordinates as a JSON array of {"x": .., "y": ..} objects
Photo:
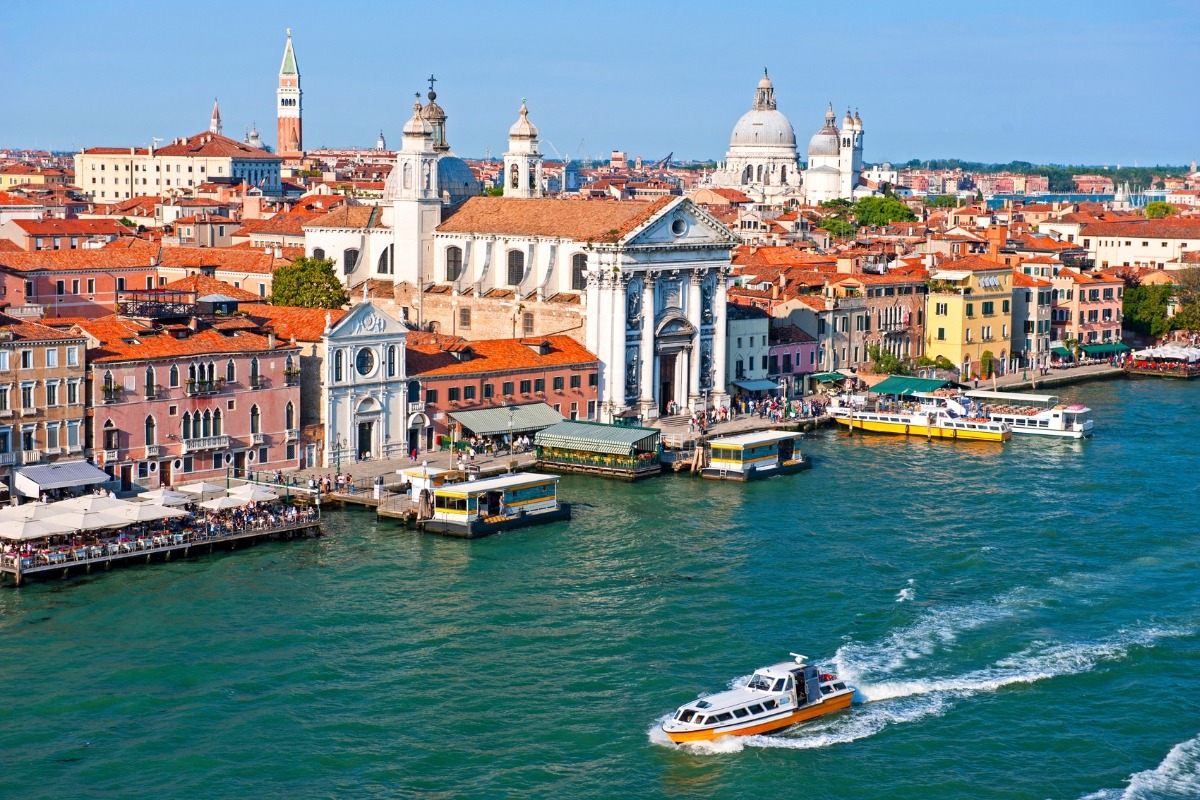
[
  {"x": 455, "y": 178},
  {"x": 824, "y": 143},
  {"x": 765, "y": 82},
  {"x": 523, "y": 128},
  {"x": 766, "y": 127},
  {"x": 417, "y": 126}
]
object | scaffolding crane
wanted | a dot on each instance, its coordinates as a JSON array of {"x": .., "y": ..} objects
[{"x": 585, "y": 158}]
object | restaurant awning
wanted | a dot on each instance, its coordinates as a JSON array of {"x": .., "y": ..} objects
[
  {"x": 596, "y": 437},
  {"x": 1104, "y": 349},
  {"x": 905, "y": 385},
  {"x": 828, "y": 377},
  {"x": 1061, "y": 352},
  {"x": 759, "y": 385},
  {"x": 493, "y": 421},
  {"x": 32, "y": 481}
]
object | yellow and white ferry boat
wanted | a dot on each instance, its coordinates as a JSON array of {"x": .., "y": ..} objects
[
  {"x": 759, "y": 454},
  {"x": 928, "y": 415},
  {"x": 776, "y": 697},
  {"x": 475, "y": 508},
  {"x": 1035, "y": 414}
]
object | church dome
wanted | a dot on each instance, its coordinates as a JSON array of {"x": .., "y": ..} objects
[
  {"x": 523, "y": 128},
  {"x": 763, "y": 127},
  {"x": 455, "y": 178},
  {"x": 417, "y": 126},
  {"x": 825, "y": 141}
]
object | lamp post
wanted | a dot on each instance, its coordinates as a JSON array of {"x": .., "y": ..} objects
[
  {"x": 511, "y": 411},
  {"x": 337, "y": 453}
]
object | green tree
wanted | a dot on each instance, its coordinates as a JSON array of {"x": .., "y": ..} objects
[
  {"x": 942, "y": 201},
  {"x": 1158, "y": 209},
  {"x": 495, "y": 191},
  {"x": 1144, "y": 309},
  {"x": 838, "y": 227},
  {"x": 881, "y": 211},
  {"x": 884, "y": 363},
  {"x": 308, "y": 283},
  {"x": 987, "y": 363}
]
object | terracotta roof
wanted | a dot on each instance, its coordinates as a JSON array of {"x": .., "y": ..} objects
[
  {"x": 203, "y": 285},
  {"x": 814, "y": 301},
  {"x": 1020, "y": 279},
  {"x": 25, "y": 331},
  {"x": 289, "y": 223},
  {"x": 205, "y": 145},
  {"x": 596, "y": 220},
  {"x": 10, "y": 199},
  {"x": 227, "y": 259},
  {"x": 973, "y": 263},
  {"x": 302, "y": 324},
  {"x": 788, "y": 333},
  {"x": 70, "y": 227},
  {"x": 9, "y": 246},
  {"x": 1146, "y": 228},
  {"x": 429, "y": 355},
  {"x": 121, "y": 339},
  {"x": 348, "y": 217},
  {"x": 99, "y": 259}
]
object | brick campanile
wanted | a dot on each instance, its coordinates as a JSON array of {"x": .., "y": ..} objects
[{"x": 289, "y": 143}]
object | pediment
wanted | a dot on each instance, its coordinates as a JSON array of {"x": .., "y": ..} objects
[
  {"x": 367, "y": 321},
  {"x": 673, "y": 323},
  {"x": 683, "y": 223}
]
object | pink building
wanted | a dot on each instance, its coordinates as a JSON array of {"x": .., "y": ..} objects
[
  {"x": 1087, "y": 307},
  {"x": 75, "y": 283},
  {"x": 183, "y": 390}
]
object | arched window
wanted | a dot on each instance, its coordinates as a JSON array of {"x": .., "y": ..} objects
[
  {"x": 150, "y": 426},
  {"x": 391, "y": 363},
  {"x": 349, "y": 259},
  {"x": 187, "y": 425},
  {"x": 191, "y": 373},
  {"x": 516, "y": 267},
  {"x": 319, "y": 253},
  {"x": 385, "y": 265},
  {"x": 254, "y": 376},
  {"x": 255, "y": 420},
  {"x": 150, "y": 382},
  {"x": 408, "y": 176},
  {"x": 514, "y": 176},
  {"x": 454, "y": 258},
  {"x": 216, "y": 423},
  {"x": 414, "y": 391},
  {"x": 760, "y": 173},
  {"x": 337, "y": 365},
  {"x": 578, "y": 270},
  {"x": 206, "y": 424},
  {"x": 289, "y": 416},
  {"x": 783, "y": 174},
  {"x": 230, "y": 371},
  {"x": 212, "y": 373},
  {"x": 173, "y": 376},
  {"x": 747, "y": 175}
]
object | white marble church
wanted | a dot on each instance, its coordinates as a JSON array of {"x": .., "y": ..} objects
[
  {"x": 640, "y": 284},
  {"x": 763, "y": 161}
]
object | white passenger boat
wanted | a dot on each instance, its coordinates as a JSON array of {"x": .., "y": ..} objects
[
  {"x": 776, "y": 697},
  {"x": 1035, "y": 414},
  {"x": 920, "y": 414}
]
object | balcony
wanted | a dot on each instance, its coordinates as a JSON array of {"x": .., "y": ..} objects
[
  {"x": 205, "y": 443},
  {"x": 7, "y": 459},
  {"x": 109, "y": 392},
  {"x": 31, "y": 456},
  {"x": 110, "y": 456},
  {"x": 291, "y": 377},
  {"x": 419, "y": 406},
  {"x": 29, "y": 412},
  {"x": 197, "y": 388},
  {"x": 258, "y": 438},
  {"x": 155, "y": 392},
  {"x": 152, "y": 450},
  {"x": 293, "y": 434},
  {"x": 256, "y": 382},
  {"x": 5, "y": 412}
]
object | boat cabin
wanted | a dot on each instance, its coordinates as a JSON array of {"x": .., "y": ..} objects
[
  {"x": 475, "y": 508},
  {"x": 760, "y": 454},
  {"x": 1038, "y": 414}
]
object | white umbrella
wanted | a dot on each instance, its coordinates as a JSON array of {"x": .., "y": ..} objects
[
  {"x": 30, "y": 511},
  {"x": 249, "y": 491},
  {"x": 90, "y": 520},
  {"x": 147, "y": 512},
  {"x": 165, "y": 497},
  {"x": 222, "y": 503},
  {"x": 23, "y": 529},
  {"x": 90, "y": 502},
  {"x": 201, "y": 488}
]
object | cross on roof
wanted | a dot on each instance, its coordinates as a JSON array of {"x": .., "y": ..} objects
[{"x": 432, "y": 80}]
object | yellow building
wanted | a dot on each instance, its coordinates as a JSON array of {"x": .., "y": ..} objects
[
  {"x": 968, "y": 313},
  {"x": 22, "y": 174}
]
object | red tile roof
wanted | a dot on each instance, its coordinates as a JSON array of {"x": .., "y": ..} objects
[
  {"x": 203, "y": 285},
  {"x": 290, "y": 322},
  {"x": 1024, "y": 281},
  {"x": 348, "y": 217},
  {"x": 226, "y": 259},
  {"x": 429, "y": 355},
  {"x": 71, "y": 227},
  {"x": 59, "y": 260},
  {"x": 118, "y": 339},
  {"x": 205, "y": 145},
  {"x": 25, "y": 331},
  {"x": 1146, "y": 228},
  {"x": 581, "y": 220},
  {"x": 9, "y": 199},
  {"x": 973, "y": 263}
]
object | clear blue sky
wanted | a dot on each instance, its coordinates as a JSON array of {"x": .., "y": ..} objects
[{"x": 1062, "y": 81}]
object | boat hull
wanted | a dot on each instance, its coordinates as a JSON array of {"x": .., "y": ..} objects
[
  {"x": 786, "y": 468},
  {"x": 828, "y": 706},
  {"x": 923, "y": 429}
]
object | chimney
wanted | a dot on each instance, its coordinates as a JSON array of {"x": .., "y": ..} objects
[
  {"x": 279, "y": 252},
  {"x": 271, "y": 340}
]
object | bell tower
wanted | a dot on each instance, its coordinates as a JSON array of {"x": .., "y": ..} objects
[
  {"x": 289, "y": 143},
  {"x": 523, "y": 161}
]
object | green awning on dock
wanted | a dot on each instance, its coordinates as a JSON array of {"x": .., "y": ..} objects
[
  {"x": 828, "y": 377},
  {"x": 905, "y": 385},
  {"x": 502, "y": 419},
  {"x": 1104, "y": 349},
  {"x": 1061, "y": 352},
  {"x": 596, "y": 437}
]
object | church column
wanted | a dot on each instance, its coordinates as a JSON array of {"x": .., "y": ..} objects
[
  {"x": 720, "y": 391},
  {"x": 646, "y": 355},
  {"x": 616, "y": 314},
  {"x": 694, "y": 314}
]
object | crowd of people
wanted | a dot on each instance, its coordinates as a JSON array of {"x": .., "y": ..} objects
[{"x": 774, "y": 409}]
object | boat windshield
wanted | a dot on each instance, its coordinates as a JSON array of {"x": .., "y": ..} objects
[{"x": 760, "y": 682}]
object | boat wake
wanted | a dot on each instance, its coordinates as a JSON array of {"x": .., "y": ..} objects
[
  {"x": 1178, "y": 776},
  {"x": 907, "y": 593}
]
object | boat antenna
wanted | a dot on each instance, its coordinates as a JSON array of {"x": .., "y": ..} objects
[{"x": 799, "y": 658}]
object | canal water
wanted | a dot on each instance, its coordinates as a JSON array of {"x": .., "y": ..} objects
[{"x": 1022, "y": 621}]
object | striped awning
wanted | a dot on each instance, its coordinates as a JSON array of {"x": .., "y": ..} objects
[
  {"x": 502, "y": 419},
  {"x": 32, "y": 481},
  {"x": 596, "y": 437}
]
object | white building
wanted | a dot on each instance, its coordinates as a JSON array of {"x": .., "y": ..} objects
[
  {"x": 835, "y": 161},
  {"x": 762, "y": 159},
  {"x": 748, "y": 333},
  {"x": 1140, "y": 242}
]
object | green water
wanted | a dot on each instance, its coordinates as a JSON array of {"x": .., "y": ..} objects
[{"x": 1022, "y": 621}]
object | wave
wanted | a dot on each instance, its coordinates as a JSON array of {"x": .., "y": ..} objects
[
  {"x": 1177, "y": 776},
  {"x": 907, "y": 593}
]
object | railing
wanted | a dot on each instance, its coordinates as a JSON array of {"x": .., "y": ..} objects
[
  {"x": 109, "y": 392},
  {"x": 291, "y": 377},
  {"x": 293, "y": 434},
  {"x": 205, "y": 443},
  {"x": 152, "y": 450},
  {"x": 7, "y": 458},
  {"x": 257, "y": 438},
  {"x": 256, "y": 382},
  {"x": 419, "y": 406},
  {"x": 154, "y": 392},
  {"x": 31, "y": 456},
  {"x": 110, "y": 456},
  {"x": 640, "y": 461},
  {"x": 204, "y": 387},
  {"x": 29, "y": 412},
  {"x": 6, "y": 412}
]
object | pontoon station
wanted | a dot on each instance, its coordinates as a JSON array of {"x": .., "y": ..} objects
[
  {"x": 776, "y": 697},
  {"x": 476, "y": 508},
  {"x": 1034, "y": 414},
  {"x": 761, "y": 454}
]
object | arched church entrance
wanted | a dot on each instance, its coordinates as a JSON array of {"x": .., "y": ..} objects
[
  {"x": 367, "y": 425},
  {"x": 674, "y": 338}
]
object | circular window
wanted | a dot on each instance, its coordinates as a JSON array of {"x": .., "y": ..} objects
[
  {"x": 679, "y": 227},
  {"x": 364, "y": 362}
]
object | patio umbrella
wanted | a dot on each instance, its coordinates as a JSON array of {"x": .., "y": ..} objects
[
  {"x": 249, "y": 491},
  {"x": 425, "y": 505},
  {"x": 89, "y": 520},
  {"x": 30, "y": 511},
  {"x": 201, "y": 488},
  {"x": 223, "y": 503},
  {"x": 165, "y": 497},
  {"x": 147, "y": 512},
  {"x": 23, "y": 529},
  {"x": 90, "y": 502}
]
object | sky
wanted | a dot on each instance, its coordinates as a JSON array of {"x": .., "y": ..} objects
[{"x": 1054, "y": 81}]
